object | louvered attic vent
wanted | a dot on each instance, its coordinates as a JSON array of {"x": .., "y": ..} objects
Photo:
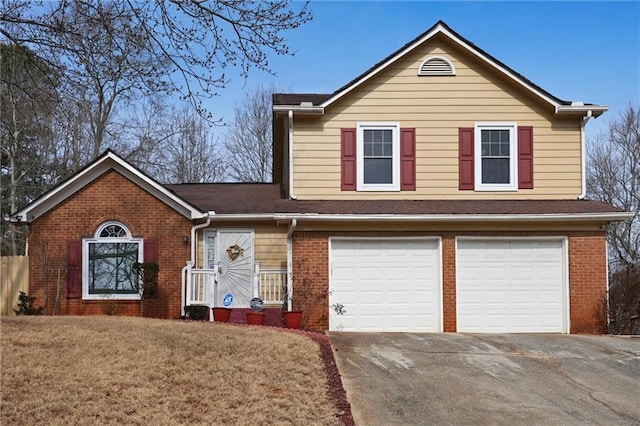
[{"x": 436, "y": 65}]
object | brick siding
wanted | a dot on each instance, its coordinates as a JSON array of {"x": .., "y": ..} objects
[
  {"x": 110, "y": 197},
  {"x": 587, "y": 271}
]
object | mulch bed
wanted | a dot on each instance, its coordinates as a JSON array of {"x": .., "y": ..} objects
[{"x": 336, "y": 391}]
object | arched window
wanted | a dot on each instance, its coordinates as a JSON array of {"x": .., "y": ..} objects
[{"x": 108, "y": 261}]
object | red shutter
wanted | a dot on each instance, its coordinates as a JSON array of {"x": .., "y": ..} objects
[
  {"x": 74, "y": 269},
  {"x": 349, "y": 157},
  {"x": 525, "y": 157},
  {"x": 407, "y": 159},
  {"x": 466, "y": 171},
  {"x": 150, "y": 251}
]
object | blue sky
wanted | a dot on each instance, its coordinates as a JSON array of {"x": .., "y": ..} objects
[{"x": 578, "y": 51}]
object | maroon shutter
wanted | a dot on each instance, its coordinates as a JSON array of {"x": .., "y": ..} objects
[
  {"x": 74, "y": 269},
  {"x": 525, "y": 157},
  {"x": 407, "y": 159},
  {"x": 349, "y": 157},
  {"x": 150, "y": 251},
  {"x": 465, "y": 158}
]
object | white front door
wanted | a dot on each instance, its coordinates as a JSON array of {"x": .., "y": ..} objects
[
  {"x": 385, "y": 284},
  {"x": 233, "y": 254},
  {"x": 511, "y": 286}
]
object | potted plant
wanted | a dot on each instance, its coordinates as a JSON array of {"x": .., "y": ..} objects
[
  {"x": 196, "y": 312},
  {"x": 221, "y": 314}
]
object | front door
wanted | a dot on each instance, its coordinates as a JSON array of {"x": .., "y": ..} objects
[{"x": 233, "y": 254}]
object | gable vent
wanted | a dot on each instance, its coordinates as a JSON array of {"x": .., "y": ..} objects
[{"x": 436, "y": 65}]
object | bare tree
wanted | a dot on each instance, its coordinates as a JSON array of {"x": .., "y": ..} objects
[
  {"x": 192, "y": 154},
  {"x": 27, "y": 100},
  {"x": 613, "y": 176},
  {"x": 249, "y": 140},
  {"x": 191, "y": 42}
]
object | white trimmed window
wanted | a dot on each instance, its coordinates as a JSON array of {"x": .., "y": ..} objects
[
  {"x": 496, "y": 154},
  {"x": 378, "y": 147},
  {"x": 107, "y": 264}
]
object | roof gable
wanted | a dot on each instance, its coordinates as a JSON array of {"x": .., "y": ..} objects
[
  {"x": 441, "y": 29},
  {"x": 107, "y": 161}
]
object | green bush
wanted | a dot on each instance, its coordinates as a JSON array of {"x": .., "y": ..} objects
[
  {"x": 25, "y": 305},
  {"x": 196, "y": 312}
]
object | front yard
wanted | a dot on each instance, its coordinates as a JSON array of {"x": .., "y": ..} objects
[{"x": 117, "y": 370}]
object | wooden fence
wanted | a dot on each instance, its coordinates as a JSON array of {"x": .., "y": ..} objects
[{"x": 14, "y": 277}]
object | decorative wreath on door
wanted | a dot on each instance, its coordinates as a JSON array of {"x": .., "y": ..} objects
[{"x": 234, "y": 251}]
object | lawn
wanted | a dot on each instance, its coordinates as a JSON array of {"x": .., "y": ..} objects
[{"x": 118, "y": 370}]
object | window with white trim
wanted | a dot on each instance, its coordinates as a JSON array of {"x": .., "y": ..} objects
[
  {"x": 108, "y": 260},
  {"x": 378, "y": 147},
  {"x": 496, "y": 147}
]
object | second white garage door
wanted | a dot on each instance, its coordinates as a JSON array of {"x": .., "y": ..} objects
[
  {"x": 515, "y": 285},
  {"x": 385, "y": 285}
]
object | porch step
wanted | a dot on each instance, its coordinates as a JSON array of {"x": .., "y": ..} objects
[{"x": 272, "y": 316}]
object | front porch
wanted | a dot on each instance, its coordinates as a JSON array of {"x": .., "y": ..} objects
[{"x": 202, "y": 287}]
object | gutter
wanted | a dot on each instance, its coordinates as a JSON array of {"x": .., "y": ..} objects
[
  {"x": 570, "y": 217},
  {"x": 583, "y": 153},
  {"x": 292, "y": 195},
  {"x": 292, "y": 226},
  {"x": 303, "y": 108}
]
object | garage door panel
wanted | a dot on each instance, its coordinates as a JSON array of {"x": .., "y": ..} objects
[
  {"x": 510, "y": 285},
  {"x": 397, "y": 284}
]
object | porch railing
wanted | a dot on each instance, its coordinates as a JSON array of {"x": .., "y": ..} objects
[{"x": 201, "y": 285}]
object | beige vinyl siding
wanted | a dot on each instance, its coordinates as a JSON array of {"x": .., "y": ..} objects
[
  {"x": 447, "y": 226},
  {"x": 436, "y": 107},
  {"x": 270, "y": 241}
]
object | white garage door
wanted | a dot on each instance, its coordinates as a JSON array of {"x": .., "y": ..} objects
[
  {"x": 385, "y": 285},
  {"x": 511, "y": 286}
]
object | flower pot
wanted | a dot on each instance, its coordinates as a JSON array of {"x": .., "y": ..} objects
[
  {"x": 221, "y": 314},
  {"x": 255, "y": 318},
  {"x": 293, "y": 319}
]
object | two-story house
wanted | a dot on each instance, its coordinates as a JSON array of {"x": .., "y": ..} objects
[{"x": 438, "y": 191}]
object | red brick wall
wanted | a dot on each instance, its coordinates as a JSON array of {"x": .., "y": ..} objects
[
  {"x": 587, "y": 275},
  {"x": 110, "y": 197},
  {"x": 587, "y": 271}
]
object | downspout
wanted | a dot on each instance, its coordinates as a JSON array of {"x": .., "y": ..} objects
[
  {"x": 192, "y": 262},
  {"x": 292, "y": 226},
  {"x": 194, "y": 242},
  {"x": 583, "y": 153},
  {"x": 292, "y": 195}
]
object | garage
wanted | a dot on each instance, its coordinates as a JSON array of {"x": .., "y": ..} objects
[
  {"x": 385, "y": 284},
  {"x": 511, "y": 286}
]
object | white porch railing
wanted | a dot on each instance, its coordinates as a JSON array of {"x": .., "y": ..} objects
[
  {"x": 271, "y": 285},
  {"x": 201, "y": 286}
]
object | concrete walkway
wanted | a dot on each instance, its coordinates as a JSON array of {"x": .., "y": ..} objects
[{"x": 419, "y": 379}]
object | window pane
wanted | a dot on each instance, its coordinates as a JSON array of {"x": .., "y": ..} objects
[
  {"x": 378, "y": 170},
  {"x": 495, "y": 170},
  {"x": 368, "y": 136},
  {"x": 377, "y": 149},
  {"x": 110, "y": 267},
  {"x": 211, "y": 251}
]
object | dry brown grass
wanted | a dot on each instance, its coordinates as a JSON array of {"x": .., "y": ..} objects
[{"x": 116, "y": 370}]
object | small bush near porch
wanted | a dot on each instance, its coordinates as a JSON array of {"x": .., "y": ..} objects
[{"x": 106, "y": 370}]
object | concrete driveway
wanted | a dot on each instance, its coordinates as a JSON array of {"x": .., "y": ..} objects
[{"x": 403, "y": 378}]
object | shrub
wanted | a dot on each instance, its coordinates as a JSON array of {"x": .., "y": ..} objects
[
  {"x": 196, "y": 312},
  {"x": 25, "y": 305}
]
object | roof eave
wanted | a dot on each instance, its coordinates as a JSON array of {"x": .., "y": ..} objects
[
  {"x": 298, "y": 109},
  {"x": 596, "y": 110},
  {"x": 552, "y": 217},
  {"x": 107, "y": 161}
]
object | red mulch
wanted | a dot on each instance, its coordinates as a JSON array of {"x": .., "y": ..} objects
[{"x": 336, "y": 392}]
